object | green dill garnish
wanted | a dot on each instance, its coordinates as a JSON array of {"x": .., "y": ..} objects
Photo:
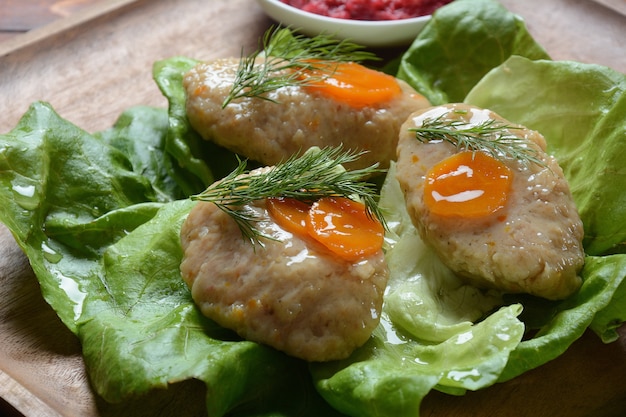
[
  {"x": 315, "y": 174},
  {"x": 490, "y": 136},
  {"x": 288, "y": 60}
]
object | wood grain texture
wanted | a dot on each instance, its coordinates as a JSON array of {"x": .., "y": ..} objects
[
  {"x": 577, "y": 30},
  {"x": 20, "y": 15},
  {"x": 617, "y": 5},
  {"x": 76, "y": 16},
  {"x": 96, "y": 63}
]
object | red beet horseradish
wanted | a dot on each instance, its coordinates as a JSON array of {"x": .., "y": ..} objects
[{"x": 369, "y": 9}]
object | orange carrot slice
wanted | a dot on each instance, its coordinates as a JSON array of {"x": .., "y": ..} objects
[
  {"x": 354, "y": 84},
  {"x": 289, "y": 213},
  {"x": 342, "y": 225},
  {"x": 467, "y": 184},
  {"x": 345, "y": 228}
]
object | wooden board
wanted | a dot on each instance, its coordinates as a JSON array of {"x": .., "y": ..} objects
[
  {"x": 96, "y": 63},
  {"x": 617, "y": 5}
]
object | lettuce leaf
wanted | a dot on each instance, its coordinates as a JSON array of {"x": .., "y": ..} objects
[
  {"x": 101, "y": 231},
  {"x": 430, "y": 336},
  {"x": 604, "y": 277},
  {"x": 579, "y": 108},
  {"x": 198, "y": 162},
  {"x": 123, "y": 287},
  {"x": 59, "y": 199},
  {"x": 392, "y": 374},
  {"x": 138, "y": 134},
  {"x": 608, "y": 320},
  {"x": 460, "y": 44},
  {"x": 580, "y": 111}
]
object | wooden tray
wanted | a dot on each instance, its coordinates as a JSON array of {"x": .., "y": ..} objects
[
  {"x": 93, "y": 65},
  {"x": 617, "y": 5}
]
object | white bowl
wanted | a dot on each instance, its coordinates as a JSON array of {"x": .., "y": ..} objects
[{"x": 380, "y": 33}]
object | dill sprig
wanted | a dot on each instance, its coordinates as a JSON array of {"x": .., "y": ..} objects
[
  {"x": 315, "y": 174},
  {"x": 288, "y": 60},
  {"x": 490, "y": 136}
]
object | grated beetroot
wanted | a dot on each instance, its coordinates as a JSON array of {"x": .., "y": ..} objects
[{"x": 369, "y": 9}]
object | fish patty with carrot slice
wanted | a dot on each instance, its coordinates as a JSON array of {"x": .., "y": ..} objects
[
  {"x": 313, "y": 290},
  {"x": 356, "y": 107},
  {"x": 492, "y": 203}
]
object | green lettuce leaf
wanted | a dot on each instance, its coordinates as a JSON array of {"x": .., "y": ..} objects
[
  {"x": 198, "y": 162},
  {"x": 429, "y": 315},
  {"x": 138, "y": 133},
  {"x": 579, "y": 108},
  {"x": 392, "y": 374},
  {"x": 102, "y": 235},
  {"x": 182, "y": 142},
  {"x": 431, "y": 334},
  {"x": 460, "y": 44},
  {"x": 603, "y": 278},
  {"x": 52, "y": 179},
  {"x": 154, "y": 335},
  {"x": 608, "y": 320},
  {"x": 580, "y": 111}
]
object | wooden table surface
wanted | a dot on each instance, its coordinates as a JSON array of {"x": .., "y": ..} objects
[
  {"x": 20, "y": 16},
  {"x": 91, "y": 59}
]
